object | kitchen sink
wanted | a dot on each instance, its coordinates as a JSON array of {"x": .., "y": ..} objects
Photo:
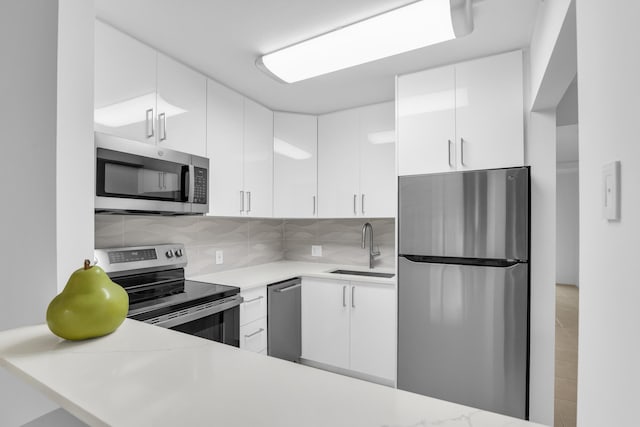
[{"x": 363, "y": 273}]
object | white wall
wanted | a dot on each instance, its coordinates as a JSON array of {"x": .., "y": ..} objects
[
  {"x": 541, "y": 155},
  {"x": 75, "y": 147},
  {"x": 29, "y": 218},
  {"x": 28, "y": 35},
  {"x": 552, "y": 67},
  {"x": 567, "y": 225},
  {"x": 609, "y": 89},
  {"x": 552, "y": 53}
]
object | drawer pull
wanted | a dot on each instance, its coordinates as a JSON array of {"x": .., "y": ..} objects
[
  {"x": 254, "y": 333},
  {"x": 253, "y": 299}
]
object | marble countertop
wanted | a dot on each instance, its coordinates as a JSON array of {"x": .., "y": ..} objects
[
  {"x": 146, "y": 375},
  {"x": 264, "y": 274}
]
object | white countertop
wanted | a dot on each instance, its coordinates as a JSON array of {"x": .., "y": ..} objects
[
  {"x": 264, "y": 274},
  {"x": 144, "y": 375}
]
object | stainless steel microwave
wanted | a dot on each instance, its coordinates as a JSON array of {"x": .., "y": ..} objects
[{"x": 135, "y": 177}]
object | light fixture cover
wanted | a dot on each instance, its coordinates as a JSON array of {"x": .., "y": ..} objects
[{"x": 400, "y": 30}]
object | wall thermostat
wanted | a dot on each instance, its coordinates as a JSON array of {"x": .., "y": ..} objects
[{"x": 611, "y": 191}]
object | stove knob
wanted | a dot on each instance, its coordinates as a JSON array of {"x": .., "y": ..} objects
[
  {"x": 169, "y": 253},
  {"x": 178, "y": 253}
]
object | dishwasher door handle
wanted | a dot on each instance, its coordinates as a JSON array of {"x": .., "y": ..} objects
[{"x": 288, "y": 288}]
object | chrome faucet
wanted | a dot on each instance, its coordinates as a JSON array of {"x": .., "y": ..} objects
[{"x": 372, "y": 253}]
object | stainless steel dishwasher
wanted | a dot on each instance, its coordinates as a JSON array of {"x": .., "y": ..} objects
[{"x": 283, "y": 320}]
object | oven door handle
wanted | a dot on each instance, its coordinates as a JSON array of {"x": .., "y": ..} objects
[{"x": 195, "y": 313}]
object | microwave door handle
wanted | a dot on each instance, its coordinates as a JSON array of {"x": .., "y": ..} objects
[
  {"x": 192, "y": 184},
  {"x": 184, "y": 185}
]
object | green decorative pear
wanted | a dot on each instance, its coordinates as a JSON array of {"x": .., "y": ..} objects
[{"x": 89, "y": 306}]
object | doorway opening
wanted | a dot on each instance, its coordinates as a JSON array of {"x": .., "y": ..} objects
[{"x": 567, "y": 258}]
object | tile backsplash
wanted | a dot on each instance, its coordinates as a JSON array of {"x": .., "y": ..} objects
[
  {"x": 340, "y": 240},
  {"x": 244, "y": 241},
  {"x": 250, "y": 241}
]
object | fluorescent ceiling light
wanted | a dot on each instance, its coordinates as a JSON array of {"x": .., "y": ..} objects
[
  {"x": 419, "y": 24},
  {"x": 133, "y": 110},
  {"x": 288, "y": 150},
  {"x": 382, "y": 137}
]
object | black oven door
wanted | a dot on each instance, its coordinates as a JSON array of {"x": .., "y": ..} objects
[
  {"x": 215, "y": 320},
  {"x": 223, "y": 327}
]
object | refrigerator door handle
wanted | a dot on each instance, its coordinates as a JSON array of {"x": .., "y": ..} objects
[{"x": 481, "y": 262}]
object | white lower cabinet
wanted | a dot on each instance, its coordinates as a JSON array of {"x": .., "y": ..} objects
[
  {"x": 373, "y": 330},
  {"x": 253, "y": 336},
  {"x": 350, "y": 325},
  {"x": 325, "y": 321},
  {"x": 253, "y": 320}
]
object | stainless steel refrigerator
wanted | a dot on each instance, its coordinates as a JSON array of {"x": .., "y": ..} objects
[{"x": 463, "y": 288}]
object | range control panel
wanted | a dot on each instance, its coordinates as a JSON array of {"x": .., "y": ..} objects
[
  {"x": 132, "y": 255},
  {"x": 128, "y": 259}
]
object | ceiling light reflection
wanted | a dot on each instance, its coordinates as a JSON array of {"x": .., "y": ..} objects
[
  {"x": 288, "y": 150},
  {"x": 432, "y": 102}
]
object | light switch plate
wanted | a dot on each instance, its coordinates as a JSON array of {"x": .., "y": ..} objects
[
  {"x": 219, "y": 257},
  {"x": 611, "y": 191},
  {"x": 316, "y": 250}
]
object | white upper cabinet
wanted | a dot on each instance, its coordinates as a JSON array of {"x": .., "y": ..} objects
[
  {"x": 356, "y": 162},
  {"x": 295, "y": 178},
  {"x": 145, "y": 96},
  {"x": 125, "y": 85},
  {"x": 490, "y": 112},
  {"x": 240, "y": 151},
  {"x": 464, "y": 116},
  {"x": 225, "y": 115},
  {"x": 258, "y": 159},
  {"x": 377, "y": 160},
  {"x": 181, "y": 107},
  {"x": 338, "y": 164},
  {"x": 426, "y": 121}
]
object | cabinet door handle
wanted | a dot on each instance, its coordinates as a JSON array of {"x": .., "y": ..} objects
[
  {"x": 149, "y": 123},
  {"x": 248, "y": 201},
  {"x": 241, "y": 201},
  {"x": 362, "y": 204},
  {"x": 355, "y": 202},
  {"x": 353, "y": 297},
  {"x": 162, "y": 123},
  {"x": 449, "y": 148},
  {"x": 254, "y": 333},
  {"x": 344, "y": 296},
  {"x": 314, "y": 205},
  {"x": 462, "y": 151}
]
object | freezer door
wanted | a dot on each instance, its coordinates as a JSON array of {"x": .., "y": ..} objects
[
  {"x": 462, "y": 334},
  {"x": 477, "y": 214}
]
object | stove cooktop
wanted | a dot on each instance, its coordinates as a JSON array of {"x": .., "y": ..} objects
[{"x": 191, "y": 293}]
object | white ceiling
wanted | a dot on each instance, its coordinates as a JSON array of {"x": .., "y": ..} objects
[{"x": 222, "y": 39}]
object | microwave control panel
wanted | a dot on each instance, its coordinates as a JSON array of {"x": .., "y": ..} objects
[{"x": 200, "y": 185}]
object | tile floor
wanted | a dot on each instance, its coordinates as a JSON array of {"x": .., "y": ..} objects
[{"x": 566, "y": 355}]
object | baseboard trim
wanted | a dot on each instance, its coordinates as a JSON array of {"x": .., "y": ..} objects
[{"x": 348, "y": 373}]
